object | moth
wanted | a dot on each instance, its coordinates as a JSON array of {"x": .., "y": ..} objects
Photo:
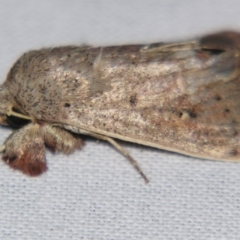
[{"x": 182, "y": 97}]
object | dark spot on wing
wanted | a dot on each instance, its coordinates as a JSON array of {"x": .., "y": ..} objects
[
  {"x": 218, "y": 98},
  {"x": 234, "y": 152},
  {"x": 133, "y": 100},
  {"x": 67, "y": 105},
  {"x": 235, "y": 133},
  {"x": 192, "y": 114},
  {"x": 187, "y": 113},
  {"x": 213, "y": 51}
]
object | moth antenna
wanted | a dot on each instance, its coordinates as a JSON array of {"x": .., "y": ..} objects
[{"x": 15, "y": 114}]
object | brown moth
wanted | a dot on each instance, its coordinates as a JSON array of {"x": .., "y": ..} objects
[{"x": 182, "y": 97}]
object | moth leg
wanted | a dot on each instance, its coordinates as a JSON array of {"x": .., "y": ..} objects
[
  {"x": 58, "y": 139},
  {"x": 24, "y": 150},
  {"x": 128, "y": 156},
  {"x": 122, "y": 150}
]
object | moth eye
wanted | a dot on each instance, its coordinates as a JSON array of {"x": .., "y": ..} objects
[{"x": 16, "y": 122}]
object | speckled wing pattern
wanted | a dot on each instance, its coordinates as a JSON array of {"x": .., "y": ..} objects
[
  {"x": 182, "y": 97},
  {"x": 184, "y": 100}
]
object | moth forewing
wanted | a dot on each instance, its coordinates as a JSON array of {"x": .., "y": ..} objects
[{"x": 182, "y": 97}]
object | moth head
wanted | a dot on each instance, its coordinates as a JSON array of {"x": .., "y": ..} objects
[
  {"x": 9, "y": 115},
  {"x": 5, "y": 104}
]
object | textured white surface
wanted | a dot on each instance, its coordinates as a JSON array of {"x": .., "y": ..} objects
[{"x": 95, "y": 193}]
